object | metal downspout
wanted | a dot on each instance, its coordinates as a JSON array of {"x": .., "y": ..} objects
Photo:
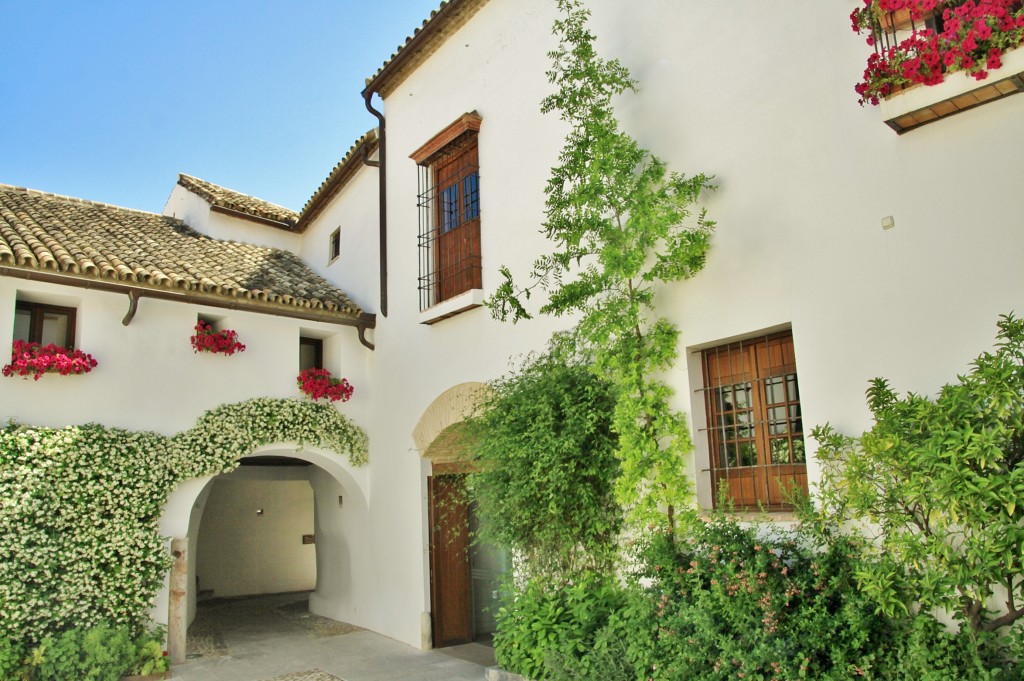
[{"x": 383, "y": 211}]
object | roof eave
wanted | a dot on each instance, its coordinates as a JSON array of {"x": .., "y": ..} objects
[
  {"x": 445, "y": 21},
  {"x": 361, "y": 321},
  {"x": 357, "y": 157}
]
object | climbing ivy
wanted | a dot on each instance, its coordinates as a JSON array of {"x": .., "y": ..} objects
[
  {"x": 79, "y": 506},
  {"x": 620, "y": 224}
]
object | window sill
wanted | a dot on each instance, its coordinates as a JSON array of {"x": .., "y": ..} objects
[
  {"x": 923, "y": 104},
  {"x": 453, "y": 306}
]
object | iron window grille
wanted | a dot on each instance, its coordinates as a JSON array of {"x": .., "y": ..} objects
[
  {"x": 449, "y": 221},
  {"x": 755, "y": 425}
]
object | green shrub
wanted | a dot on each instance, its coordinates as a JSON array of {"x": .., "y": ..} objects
[
  {"x": 544, "y": 622},
  {"x": 12, "y": 660},
  {"x": 149, "y": 654},
  {"x": 545, "y": 451},
  {"x": 936, "y": 487},
  {"x": 743, "y": 601},
  {"x": 101, "y": 653}
]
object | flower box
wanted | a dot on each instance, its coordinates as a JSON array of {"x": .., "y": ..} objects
[
  {"x": 33, "y": 358},
  {"x": 208, "y": 339},
  {"x": 319, "y": 384},
  {"x": 916, "y": 106},
  {"x": 149, "y": 677}
]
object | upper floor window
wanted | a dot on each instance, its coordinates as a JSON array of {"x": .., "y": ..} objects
[
  {"x": 44, "y": 324},
  {"x": 311, "y": 353},
  {"x": 449, "y": 210},
  {"x": 334, "y": 246},
  {"x": 755, "y": 429}
]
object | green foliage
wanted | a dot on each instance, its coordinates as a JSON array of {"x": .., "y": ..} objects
[
  {"x": 620, "y": 223},
  {"x": 748, "y": 601},
  {"x": 545, "y": 453},
  {"x": 13, "y": 660},
  {"x": 149, "y": 655},
  {"x": 936, "y": 484},
  {"x": 79, "y": 507},
  {"x": 100, "y": 653},
  {"x": 546, "y": 621}
]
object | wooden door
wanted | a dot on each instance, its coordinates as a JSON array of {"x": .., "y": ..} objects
[{"x": 451, "y": 595}]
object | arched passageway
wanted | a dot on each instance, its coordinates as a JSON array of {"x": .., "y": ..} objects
[{"x": 285, "y": 520}]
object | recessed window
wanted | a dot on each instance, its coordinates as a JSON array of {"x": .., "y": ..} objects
[
  {"x": 334, "y": 247},
  {"x": 449, "y": 209},
  {"x": 755, "y": 428},
  {"x": 44, "y": 324},
  {"x": 311, "y": 353}
]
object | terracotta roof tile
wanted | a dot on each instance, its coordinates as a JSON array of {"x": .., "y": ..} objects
[
  {"x": 239, "y": 202},
  {"x": 425, "y": 40},
  {"x": 338, "y": 177},
  {"x": 97, "y": 241}
]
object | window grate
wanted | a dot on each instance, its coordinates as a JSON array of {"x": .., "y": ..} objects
[{"x": 755, "y": 426}]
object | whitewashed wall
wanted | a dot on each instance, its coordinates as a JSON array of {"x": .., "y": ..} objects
[
  {"x": 250, "y": 539},
  {"x": 805, "y": 176},
  {"x": 354, "y": 212},
  {"x": 149, "y": 379}
]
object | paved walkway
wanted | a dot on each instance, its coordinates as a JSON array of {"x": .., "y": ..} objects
[{"x": 276, "y": 638}]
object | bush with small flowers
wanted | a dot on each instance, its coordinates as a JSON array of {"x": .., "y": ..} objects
[{"x": 80, "y": 544}]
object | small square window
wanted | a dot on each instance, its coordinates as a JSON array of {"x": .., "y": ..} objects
[
  {"x": 44, "y": 324},
  {"x": 334, "y": 248},
  {"x": 311, "y": 353}
]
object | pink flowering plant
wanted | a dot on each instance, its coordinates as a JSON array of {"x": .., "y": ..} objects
[
  {"x": 968, "y": 35},
  {"x": 319, "y": 384},
  {"x": 33, "y": 358},
  {"x": 207, "y": 339}
]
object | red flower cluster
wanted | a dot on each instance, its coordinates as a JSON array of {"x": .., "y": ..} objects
[
  {"x": 318, "y": 383},
  {"x": 32, "y": 358},
  {"x": 208, "y": 340},
  {"x": 975, "y": 34}
]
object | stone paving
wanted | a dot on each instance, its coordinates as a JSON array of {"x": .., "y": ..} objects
[{"x": 276, "y": 638}]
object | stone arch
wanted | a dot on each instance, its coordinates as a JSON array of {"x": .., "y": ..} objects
[{"x": 438, "y": 431}]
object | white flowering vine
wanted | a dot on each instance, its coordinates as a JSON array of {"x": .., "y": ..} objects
[{"x": 79, "y": 506}]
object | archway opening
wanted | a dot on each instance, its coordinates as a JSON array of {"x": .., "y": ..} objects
[{"x": 276, "y": 546}]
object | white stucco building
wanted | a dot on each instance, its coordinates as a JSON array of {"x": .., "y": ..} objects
[{"x": 843, "y": 251}]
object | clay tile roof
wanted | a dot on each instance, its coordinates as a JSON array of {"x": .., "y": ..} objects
[
  {"x": 338, "y": 177},
  {"x": 85, "y": 242},
  {"x": 442, "y": 24},
  {"x": 229, "y": 199}
]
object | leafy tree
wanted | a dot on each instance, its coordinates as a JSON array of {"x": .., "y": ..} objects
[
  {"x": 937, "y": 484},
  {"x": 620, "y": 224},
  {"x": 545, "y": 455}
]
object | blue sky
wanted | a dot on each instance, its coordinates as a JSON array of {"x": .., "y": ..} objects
[{"x": 109, "y": 100}]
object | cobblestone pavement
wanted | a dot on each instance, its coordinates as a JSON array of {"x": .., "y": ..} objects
[{"x": 276, "y": 638}]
